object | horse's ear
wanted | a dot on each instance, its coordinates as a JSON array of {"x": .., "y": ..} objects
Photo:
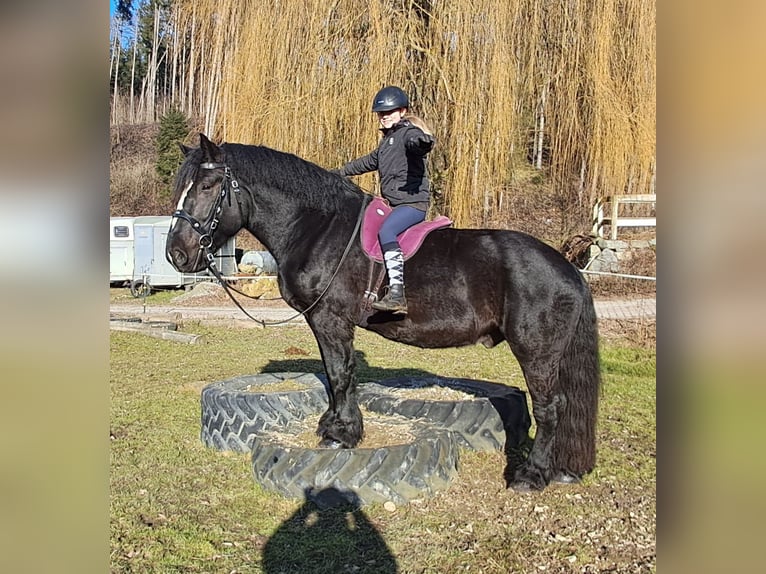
[
  {"x": 210, "y": 152},
  {"x": 184, "y": 149}
]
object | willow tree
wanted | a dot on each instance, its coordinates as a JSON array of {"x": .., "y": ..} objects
[{"x": 562, "y": 89}]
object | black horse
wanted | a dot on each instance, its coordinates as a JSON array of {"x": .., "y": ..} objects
[{"x": 463, "y": 286}]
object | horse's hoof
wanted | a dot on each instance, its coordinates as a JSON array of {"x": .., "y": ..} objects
[
  {"x": 330, "y": 443},
  {"x": 528, "y": 479},
  {"x": 566, "y": 478}
]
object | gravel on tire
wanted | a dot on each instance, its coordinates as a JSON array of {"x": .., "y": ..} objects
[
  {"x": 234, "y": 410},
  {"x": 496, "y": 418},
  {"x": 397, "y": 473}
]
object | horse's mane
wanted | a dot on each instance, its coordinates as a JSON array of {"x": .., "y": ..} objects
[{"x": 308, "y": 182}]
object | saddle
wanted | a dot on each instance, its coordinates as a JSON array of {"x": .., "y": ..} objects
[{"x": 409, "y": 241}]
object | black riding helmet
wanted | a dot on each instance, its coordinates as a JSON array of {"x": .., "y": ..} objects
[{"x": 390, "y": 98}]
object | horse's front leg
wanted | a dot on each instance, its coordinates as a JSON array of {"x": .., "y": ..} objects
[{"x": 341, "y": 425}]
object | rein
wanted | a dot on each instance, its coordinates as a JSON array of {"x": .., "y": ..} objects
[{"x": 206, "y": 241}]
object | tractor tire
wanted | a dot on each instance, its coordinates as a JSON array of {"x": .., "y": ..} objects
[
  {"x": 234, "y": 410},
  {"x": 498, "y": 418},
  {"x": 397, "y": 473}
]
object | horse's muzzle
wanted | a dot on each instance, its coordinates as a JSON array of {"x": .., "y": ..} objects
[{"x": 179, "y": 258}]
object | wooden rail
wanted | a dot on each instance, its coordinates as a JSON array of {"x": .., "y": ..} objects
[{"x": 615, "y": 221}]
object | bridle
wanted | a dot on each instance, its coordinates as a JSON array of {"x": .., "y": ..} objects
[{"x": 205, "y": 231}]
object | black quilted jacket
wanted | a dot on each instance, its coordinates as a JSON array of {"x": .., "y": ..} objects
[{"x": 400, "y": 158}]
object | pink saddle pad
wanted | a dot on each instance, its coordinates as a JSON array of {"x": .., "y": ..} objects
[{"x": 410, "y": 240}]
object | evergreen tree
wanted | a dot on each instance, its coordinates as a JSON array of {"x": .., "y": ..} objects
[
  {"x": 125, "y": 10},
  {"x": 173, "y": 130}
]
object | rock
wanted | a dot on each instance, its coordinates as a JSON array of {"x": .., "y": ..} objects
[
  {"x": 258, "y": 262},
  {"x": 260, "y": 288}
]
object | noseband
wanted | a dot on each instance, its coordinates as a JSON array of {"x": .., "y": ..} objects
[{"x": 205, "y": 230}]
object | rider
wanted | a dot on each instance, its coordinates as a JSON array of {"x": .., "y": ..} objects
[{"x": 400, "y": 159}]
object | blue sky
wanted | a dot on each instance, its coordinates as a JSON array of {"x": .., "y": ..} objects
[{"x": 127, "y": 33}]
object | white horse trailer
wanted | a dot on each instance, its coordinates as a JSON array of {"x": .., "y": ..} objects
[
  {"x": 121, "y": 249},
  {"x": 145, "y": 238}
]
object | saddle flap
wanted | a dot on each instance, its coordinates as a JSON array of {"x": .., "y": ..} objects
[{"x": 409, "y": 241}]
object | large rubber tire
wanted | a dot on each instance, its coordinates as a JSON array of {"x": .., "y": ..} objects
[
  {"x": 496, "y": 419},
  {"x": 397, "y": 473},
  {"x": 235, "y": 409}
]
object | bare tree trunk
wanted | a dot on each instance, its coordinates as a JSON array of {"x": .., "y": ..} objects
[
  {"x": 181, "y": 78},
  {"x": 477, "y": 163},
  {"x": 191, "y": 71},
  {"x": 112, "y": 57},
  {"x": 541, "y": 129},
  {"x": 211, "y": 94},
  {"x": 115, "y": 93},
  {"x": 133, "y": 77},
  {"x": 152, "y": 84},
  {"x": 141, "y": 111},
  {"x": 174, "y": 67}
]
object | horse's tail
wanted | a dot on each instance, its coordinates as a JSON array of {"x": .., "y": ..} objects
[{"x": 580, "y": 381}]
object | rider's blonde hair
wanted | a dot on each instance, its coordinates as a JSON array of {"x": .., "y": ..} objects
[{"x": 418, "y": 122}]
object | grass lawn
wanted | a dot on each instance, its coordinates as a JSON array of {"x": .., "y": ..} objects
[{"x": 177, "y": 506}]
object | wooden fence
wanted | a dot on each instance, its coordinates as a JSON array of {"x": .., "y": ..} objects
[{"x": 606, "y": 212}]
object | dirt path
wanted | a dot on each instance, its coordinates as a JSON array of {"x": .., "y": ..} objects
[{"x": 645, "y": 308}]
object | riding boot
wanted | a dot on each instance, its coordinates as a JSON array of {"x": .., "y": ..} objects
[{"x": 394, "y": 300}]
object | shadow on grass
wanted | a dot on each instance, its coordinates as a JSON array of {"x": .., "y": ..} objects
[
  {"x": 364, "y": 371},
  {"x": 328, "y": 534}
]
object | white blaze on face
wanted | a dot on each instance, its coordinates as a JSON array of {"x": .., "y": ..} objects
[{"x": 181, "y": 201}]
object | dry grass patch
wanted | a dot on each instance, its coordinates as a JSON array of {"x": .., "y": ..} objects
[{"x": 636, "y": 332}]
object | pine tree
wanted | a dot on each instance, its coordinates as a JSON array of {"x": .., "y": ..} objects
[{"x": 173, "y": 130}]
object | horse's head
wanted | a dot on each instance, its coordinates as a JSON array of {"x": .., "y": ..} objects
[{"x": 205, "y": 216}]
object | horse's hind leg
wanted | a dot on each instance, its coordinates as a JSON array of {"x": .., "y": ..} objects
[
  {"x": 548, "y": 404},
  {"x": 341, "y": 425},
  {"x": 561, "y": 366}
]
